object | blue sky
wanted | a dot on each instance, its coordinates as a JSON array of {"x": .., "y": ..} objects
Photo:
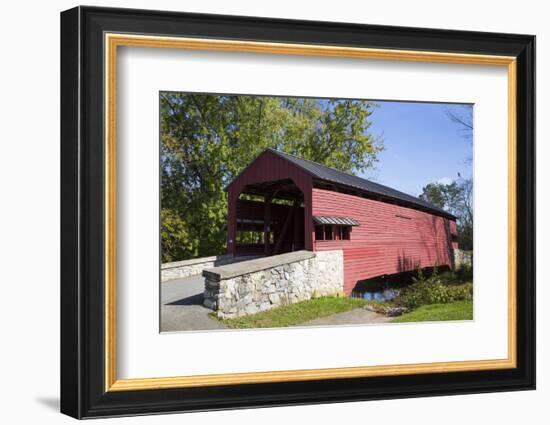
[{"x": 422, "y": 145}]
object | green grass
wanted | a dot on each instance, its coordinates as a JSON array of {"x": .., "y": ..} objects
[
  {"x": 462, "y": 310},
  {"x": 294, "y": 314}
]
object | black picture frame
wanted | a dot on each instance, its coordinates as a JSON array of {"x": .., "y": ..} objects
[{"x": 83, "y": 392}]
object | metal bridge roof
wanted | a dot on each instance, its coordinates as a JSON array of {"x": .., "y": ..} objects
[{"x": 331, "y": 175}]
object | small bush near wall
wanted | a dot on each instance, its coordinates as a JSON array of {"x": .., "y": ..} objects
[{"x": 433, "y": 290}]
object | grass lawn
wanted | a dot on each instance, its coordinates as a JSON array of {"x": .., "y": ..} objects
[
  {"x": 294, "y": 314},
  {"x": 462, "y": 310}
]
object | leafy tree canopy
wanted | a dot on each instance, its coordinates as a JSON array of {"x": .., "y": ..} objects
[{"x": 206, "y": 140}]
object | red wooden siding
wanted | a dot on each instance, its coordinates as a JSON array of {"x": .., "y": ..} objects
[
  {"x": 270, "y": 167},
  {"x": 390, "y": 238}
]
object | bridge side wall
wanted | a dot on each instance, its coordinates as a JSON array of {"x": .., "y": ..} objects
[
  {"x": 195, "y": 266},
  {"x": 261, "y": 284}
]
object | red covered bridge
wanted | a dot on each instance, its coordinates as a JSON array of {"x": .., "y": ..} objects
[{"x": 283, "y": 203}]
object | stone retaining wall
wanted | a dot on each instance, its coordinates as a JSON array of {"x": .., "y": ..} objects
[
  {"x": 195, "y": 266},
  {"x": 261, "y": 284}
]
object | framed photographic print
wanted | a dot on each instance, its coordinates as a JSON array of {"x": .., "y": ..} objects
[{"x": 261, "y": 212}]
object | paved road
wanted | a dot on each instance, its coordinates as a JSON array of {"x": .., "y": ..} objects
[
  {"x": 182, "y": 309},
  {"x": 181, "y": 306}
]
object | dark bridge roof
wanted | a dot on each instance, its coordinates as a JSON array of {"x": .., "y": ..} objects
[{"x": 324, "y": 173}]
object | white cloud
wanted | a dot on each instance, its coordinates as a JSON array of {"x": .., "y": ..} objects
[{"x": 445, "y": 180}]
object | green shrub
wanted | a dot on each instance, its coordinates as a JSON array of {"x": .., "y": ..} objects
[
  {"x": 462, "y": 292},
  {"x": 175, "y": 242},
  {"x": 460, "y": 275},
  {"x": 422, "y": 293},
  {"x": 431, "y": 290},
  {"x": 464, "y": 273}
]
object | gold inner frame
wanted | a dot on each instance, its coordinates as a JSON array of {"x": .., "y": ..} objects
[{"x": 113, "y": 41}]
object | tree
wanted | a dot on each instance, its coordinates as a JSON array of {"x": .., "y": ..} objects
[
  {"x": 174, "y": 236},
  {"x": 459, "y": 194},
  {"x": 441, "y": 195},
  {"x": 466, "y": 217},
  {"x": 457, "y": 199},
  {"x": 462, "y": 116},
  {"x": 207, "y": 140}
]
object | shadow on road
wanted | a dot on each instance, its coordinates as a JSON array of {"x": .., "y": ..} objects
[{"x": 196, "y": 299}]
